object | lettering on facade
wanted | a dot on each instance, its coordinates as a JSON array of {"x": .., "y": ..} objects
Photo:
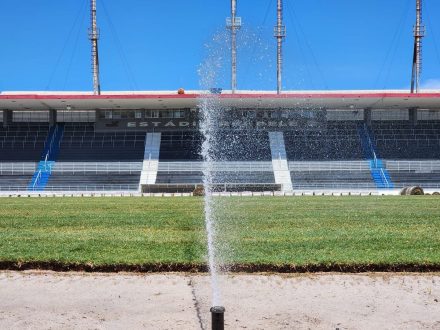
[
  {"x": 187, "y": 125},
  {"x": 158, "y": 124},
  {"x": 221, "y": 124}
]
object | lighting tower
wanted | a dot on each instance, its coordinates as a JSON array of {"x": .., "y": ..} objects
[
  {"x": 419, "y": 33},
  {"x": 94, "y": 36},
  {"x": 233, "y": 23},
  {"x": 279, "y": 34}
]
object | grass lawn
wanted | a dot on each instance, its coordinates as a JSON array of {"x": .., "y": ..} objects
[{"x": 302, "y": 231}]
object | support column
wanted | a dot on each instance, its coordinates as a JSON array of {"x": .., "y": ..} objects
[
  {"x": 279, "y": 34},
  {"x": 419, "y": 33},
  {"x": 94, "y": 37},
  {"x": 52, "y": 117},
  {"x": 413, "y": 116},
  {"x": 367, "y": 117},
  {"x": 233, "y": 23},
  {"x": 7, "y": 117}
]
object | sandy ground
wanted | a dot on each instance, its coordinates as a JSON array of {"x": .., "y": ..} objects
[{"x": 46, "y": 300}]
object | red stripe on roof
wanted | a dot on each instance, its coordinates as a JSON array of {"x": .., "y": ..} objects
[{"x": 223, "y": 96}]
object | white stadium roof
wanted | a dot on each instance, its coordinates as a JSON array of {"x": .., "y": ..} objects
[{"x": 377, "y": 99}]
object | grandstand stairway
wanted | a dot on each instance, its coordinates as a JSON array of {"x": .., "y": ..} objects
[
  {"x": 379, "y": 173},
  {"x": 50, "y": 153},
  {"x": 279, "y": 161},
  {"x": 150, "y": 164}
]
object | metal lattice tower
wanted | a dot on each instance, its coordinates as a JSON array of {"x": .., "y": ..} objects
[
  {"x": 419, "y": 33},
  {"x": 94, "y": 36},
  {"x": 279, "y": 34},
  {"x": 233, "y": 23}
]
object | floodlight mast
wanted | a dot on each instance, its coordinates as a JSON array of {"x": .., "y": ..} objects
[
  {"x": 279, "y": 34},
  {"x": 234, "y": 24},
  {"x": 419, "y": 33},
  {"x": 94, "y": 36}
]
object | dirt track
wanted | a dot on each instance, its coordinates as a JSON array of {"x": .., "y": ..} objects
[{"x": 180, "y": 301}]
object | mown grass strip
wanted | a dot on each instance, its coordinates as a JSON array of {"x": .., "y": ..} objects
[{"x": 277, "y": 233}]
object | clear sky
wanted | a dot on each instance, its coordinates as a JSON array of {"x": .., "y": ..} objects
[{"x": 159, "y": 45}]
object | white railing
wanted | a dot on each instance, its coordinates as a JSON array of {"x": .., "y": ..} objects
[
  {"x": 49, "y": 149},
  {"x": 370, "y": 144},
  {"x": 134, "y": 187},
  {"x": 97, "y": 187},
  {"x": 216, "y": 186},
  {"x": 421, "y": 166},
  {"x": 216, "y": 166},
  {"x": 37, "y": 179},
  {"x": 97, "y": 167},
  {"x": 106, "y": 188},
  {"x": 47, "y": 167},
  {"x": 305, "y": 166},
  {"x": 384, "y": 178},
  {"x": 25, "y": 168},
  {"x": 17, "y": 168},
  {"x": 333, "y": 185}
]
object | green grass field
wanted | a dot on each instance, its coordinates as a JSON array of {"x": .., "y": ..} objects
[{"x": 302, "y": 231}]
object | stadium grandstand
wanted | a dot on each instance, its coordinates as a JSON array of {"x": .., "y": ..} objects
[
  {"x": 281, "y": 140},
  {"x": 150, "y": 141}
]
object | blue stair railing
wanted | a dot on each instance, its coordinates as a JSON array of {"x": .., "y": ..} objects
[
  {"x": 379, "y": 173},
  {"x": 50, "y": 154}
]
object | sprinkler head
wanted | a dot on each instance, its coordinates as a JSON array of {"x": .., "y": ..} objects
[{"x": 217, "y": 318}]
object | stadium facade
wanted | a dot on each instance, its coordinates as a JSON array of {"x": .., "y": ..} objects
[{"x": 150, "y": 141}]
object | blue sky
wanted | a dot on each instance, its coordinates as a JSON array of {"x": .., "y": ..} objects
[{"x": 159, "y": 45}]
